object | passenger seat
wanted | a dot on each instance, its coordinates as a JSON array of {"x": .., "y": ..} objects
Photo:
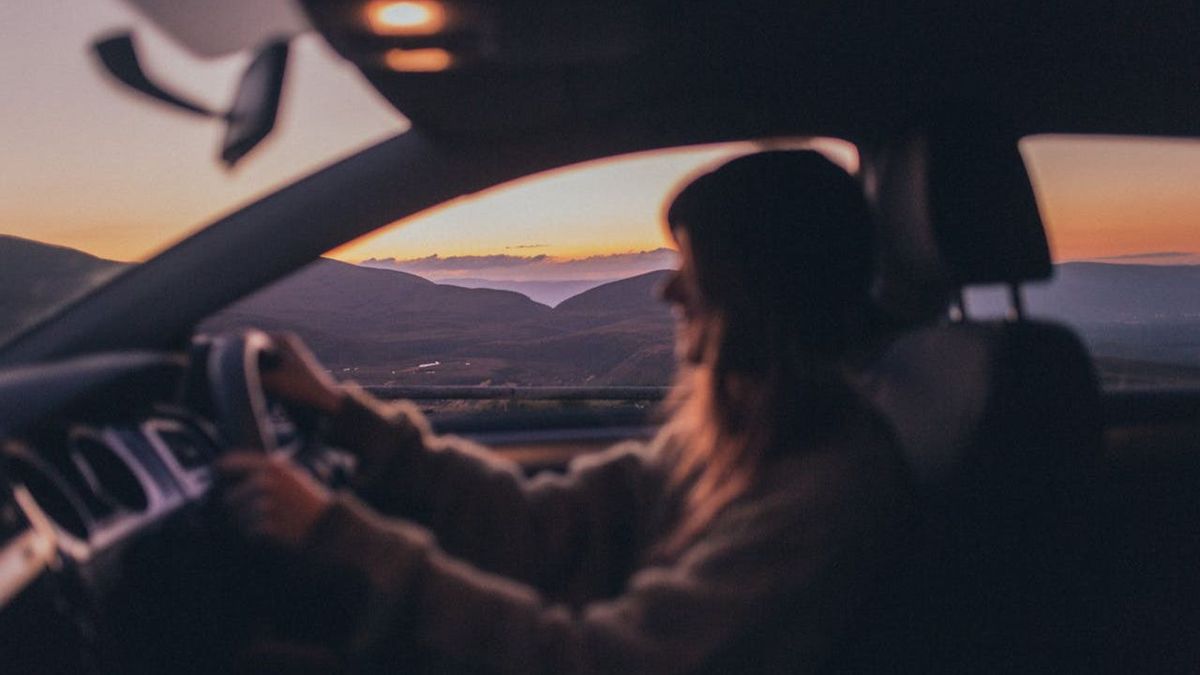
[{"x": 999, "y": 423}]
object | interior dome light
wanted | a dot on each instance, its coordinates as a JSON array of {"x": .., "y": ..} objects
[
  {"x": 409, "y": 17},
  {"x": 430, "y": 60}
]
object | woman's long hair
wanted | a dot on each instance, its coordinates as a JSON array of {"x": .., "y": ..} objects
[{"x": 782, "y": 248}]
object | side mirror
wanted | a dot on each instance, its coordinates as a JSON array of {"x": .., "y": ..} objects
[{"x": 255, "y": 104}]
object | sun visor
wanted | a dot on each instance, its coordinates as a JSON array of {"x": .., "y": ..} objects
[{"x": 982, "y": 207}]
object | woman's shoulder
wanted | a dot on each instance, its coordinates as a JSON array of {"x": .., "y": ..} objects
[
  {"x": 858, "y": 471},
  {"x": 807, "y": 509}
]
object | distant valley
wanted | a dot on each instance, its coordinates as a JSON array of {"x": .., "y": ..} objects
[
  {"x": 549, "y": 293},
  {"x": 543, "y": 278}
]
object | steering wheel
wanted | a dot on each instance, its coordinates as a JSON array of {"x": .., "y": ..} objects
[
  {"x": 235, "y": 365},
  {"x": 248, "y": 418},
  {"x": 264, "y": 583}
]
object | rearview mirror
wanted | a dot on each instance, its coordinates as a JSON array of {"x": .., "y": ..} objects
[
  {"x": 255, "y": 104},
  {"x": 252, "y": 116}
]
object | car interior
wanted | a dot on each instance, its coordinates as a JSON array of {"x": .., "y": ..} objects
[{"x": 1059, "y": 521}]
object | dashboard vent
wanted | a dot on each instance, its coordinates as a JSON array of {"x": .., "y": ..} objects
[
  {"x": 107, "y": 475},
  {"x": 51, "y": 491},
  {"x": 188, "y": 448},
  {"x": 12, "y": 521}
]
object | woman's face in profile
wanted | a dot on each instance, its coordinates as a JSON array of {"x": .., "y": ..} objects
[{"x": 682, "y": 291}]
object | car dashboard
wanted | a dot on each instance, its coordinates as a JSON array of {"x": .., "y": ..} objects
[
  {"x": 105, "y": 467},
  {"x": 107, "y": 532},
  {"x": 98, "y": 483},
  {"x": 96, "y": 456}
]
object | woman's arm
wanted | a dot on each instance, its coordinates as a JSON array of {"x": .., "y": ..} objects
[
  {"x": 801, "y": 553},
  {"x": 482, "y": 508}
]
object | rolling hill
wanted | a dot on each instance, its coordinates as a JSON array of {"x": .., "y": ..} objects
[
  {"x": 633, "y": 296},
  {"x": 37, "y": 277}
]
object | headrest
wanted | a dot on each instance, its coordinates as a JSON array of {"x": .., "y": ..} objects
[
  {"x": 984, "y": 213},
  {"x": 957, "y": 209}
]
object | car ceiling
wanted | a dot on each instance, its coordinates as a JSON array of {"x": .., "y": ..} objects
[
  {"x": 843, "y": 69},
  {"x": 761, "y": 66}
]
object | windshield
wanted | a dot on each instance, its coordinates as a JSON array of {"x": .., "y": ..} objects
[{"x": 97, "y": 178}]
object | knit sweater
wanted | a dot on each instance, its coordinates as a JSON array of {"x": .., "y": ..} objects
[{"x": 478, "y": 566}]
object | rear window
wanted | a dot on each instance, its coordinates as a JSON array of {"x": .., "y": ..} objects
[{"x": 1122, "y": 216}]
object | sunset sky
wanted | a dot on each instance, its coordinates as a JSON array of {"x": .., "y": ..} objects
[
  {"x": 1111, "y": 197},
  {"x": 89, "y": 166}
]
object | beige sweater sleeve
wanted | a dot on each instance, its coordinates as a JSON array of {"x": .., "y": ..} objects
[
  {"x": 570, "y": 534},
  {"x": 800, "y": 549}
]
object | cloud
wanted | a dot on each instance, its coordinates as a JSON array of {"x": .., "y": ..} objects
[
  {"x": 1151, "y": 255},
  {"x": 526, "y": 246},
  {"x": 532, "y": 268},
  {"x": 1149, "y": 258},
  {"x": 464, "y": 263}
]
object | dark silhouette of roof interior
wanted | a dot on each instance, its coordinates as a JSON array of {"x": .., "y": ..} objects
[{"x": 844, "y": 69}]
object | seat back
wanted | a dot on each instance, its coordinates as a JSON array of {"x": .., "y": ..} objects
[
  {"x": 1000, "y": 426},
  {"x": 990, "y": 398}
]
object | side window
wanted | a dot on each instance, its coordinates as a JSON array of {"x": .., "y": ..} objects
[
  {"x": 1122, "y": 216},
  {"x": 539, "y": 293}
]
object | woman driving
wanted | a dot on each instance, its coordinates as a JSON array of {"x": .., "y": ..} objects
[{"x": 742, "y": 538}]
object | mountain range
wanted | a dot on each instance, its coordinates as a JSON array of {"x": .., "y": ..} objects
[
  {"x": 1084, "y": 293},
  {"x": 384, "y": 326}
]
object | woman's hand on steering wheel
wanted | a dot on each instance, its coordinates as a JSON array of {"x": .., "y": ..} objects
[
  {"x": 270, "y": 498},
  {"x": 297, "y": 377}
]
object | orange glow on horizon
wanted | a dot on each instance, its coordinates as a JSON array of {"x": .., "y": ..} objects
[
  {"x": 1101, "y": 199},
  {"x": 1110, "y": 197},
  {"x": 601, "y": 207},
  {"x": 1095, "y": 223}
]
